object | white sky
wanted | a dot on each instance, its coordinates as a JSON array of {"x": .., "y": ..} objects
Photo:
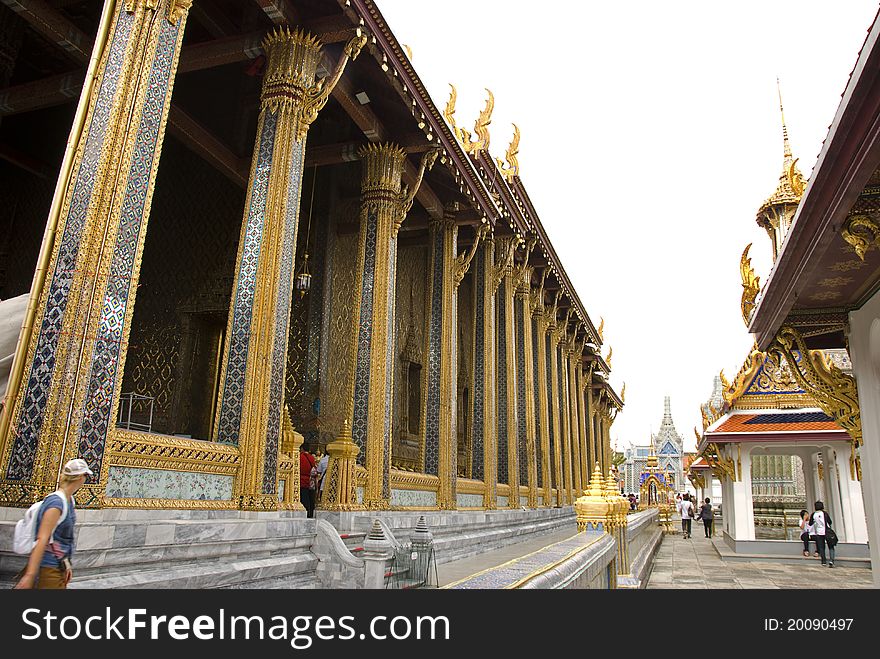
[{"x": 650, "y": 136}]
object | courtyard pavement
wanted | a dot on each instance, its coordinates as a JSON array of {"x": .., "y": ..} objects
[{"x": 695, "y": 563}]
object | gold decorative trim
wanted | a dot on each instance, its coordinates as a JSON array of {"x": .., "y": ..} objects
[
  {"x": 751, "y": 285},
  {"x": 128, "y": 448},
  {"x": 405, "y": 480},
  {"x": 469, "y": 486},
  {"x": 172, "y": 504}
]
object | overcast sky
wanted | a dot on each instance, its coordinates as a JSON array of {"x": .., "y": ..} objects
[{"x": 650, "y": 137}]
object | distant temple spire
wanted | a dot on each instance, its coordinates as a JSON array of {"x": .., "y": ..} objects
[{"x": 785, "y": 143}]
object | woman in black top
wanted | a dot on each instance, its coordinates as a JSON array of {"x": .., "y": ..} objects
[{"x": 708, "y": 517}]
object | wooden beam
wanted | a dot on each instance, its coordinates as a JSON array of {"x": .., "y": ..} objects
[
  {"x": 210, "y": 17},
  {"x": 203, "y": 143},
  {"x": 54, "y": 26},
  {"x": 334, "y": 154},
  {"x": 40, "y": 94}
]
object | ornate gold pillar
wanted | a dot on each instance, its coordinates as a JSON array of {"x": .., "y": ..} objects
[
  {"x": 440, "y": 446},
  {"x": 525, "y": 385},
  {"x": 506, "y": 380},
  {"x": 384, "y": 205},
  {"x": 555, "y": 422},
  {"x": 592, "y": 453},
  {"x": 544, "y": 463},
  {"x": 575, "y": 425},
  {"x": 63, "y": 391},
  {"x": 446, "y": 272},
  {"x": 485, "y": 452},
  {"x": 564, "y": 407},
  {"x": 582, "y": 419},
  {"x": 255, "y": 354}
]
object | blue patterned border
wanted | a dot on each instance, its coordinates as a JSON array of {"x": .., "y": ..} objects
[
  {"x": 111, "y": 329},
  {"x": 435, "y": 328},
  {"x": 229, "y": 425},
  {"x": 36, "y": 396},
  {"x": 521, "y": 440},
  {"x": 282, "y": 316},
  {"x": 478, "y": 417},
  {"x": 365, "y": 338},
  {"x": 502, "y": 384},
  {"x": 550, "y": 411},
  {"x": 536, "y": 381}
]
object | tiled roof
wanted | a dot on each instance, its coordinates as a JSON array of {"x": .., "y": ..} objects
[{"x": 788, "y": 422}]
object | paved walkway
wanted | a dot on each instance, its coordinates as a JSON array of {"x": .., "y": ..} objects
[{"x": 695, "y": 563}]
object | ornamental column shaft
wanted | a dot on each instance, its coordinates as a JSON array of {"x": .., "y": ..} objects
[
  {"x": 255, "y": 354},
  {"x": 545, "y": 463},
  {"x": 507, "y": 392},
  {"x": 64, "y": 387},
  {"x": 575, "y": 422},
  {"x": 582, "y": 421},
  {"x": 441, "y": 449},
  {"x": 525, "y": 387},
  {"x": 555, "y": 422},
  {"x": 485, "y": 452},
  {"x": 384, "y": 205},
  {"x": 564, "y": 414}
]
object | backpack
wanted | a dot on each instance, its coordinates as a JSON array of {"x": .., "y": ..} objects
[
  {"x": 25, "y": 536},
  {"x": 313, "y": 479}
]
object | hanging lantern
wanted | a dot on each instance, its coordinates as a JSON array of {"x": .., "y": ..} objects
[{"x": 303, "y": 281}]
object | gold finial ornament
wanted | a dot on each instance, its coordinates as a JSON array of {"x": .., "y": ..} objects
[
  {"x": 449, "y": 112},
  {"x": 623, "y": 393},
  {"x": 608, "y": 358},
  {"x": 593, "y": 509},
  {"x": 481, "y": 127},
  {"x": 511, "y": 168},
  {"x": 862, "y": 233},
  {"x": 751, "y": 285},
  {"x": 601, "y": 328}
]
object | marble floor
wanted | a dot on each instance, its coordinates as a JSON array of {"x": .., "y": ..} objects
[{"x": 695, "y": 563}]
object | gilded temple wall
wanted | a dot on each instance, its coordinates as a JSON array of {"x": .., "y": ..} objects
[{"x": 465, "y": 374}]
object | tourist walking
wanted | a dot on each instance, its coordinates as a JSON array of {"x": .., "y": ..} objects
[
  {"x": 708, "y": 517},
  {"x": 824, "y": 534},
  {"x": 49, "y": 566},
  {"x": 307, "y": 481},
  {"x": 686, "y": 509}
]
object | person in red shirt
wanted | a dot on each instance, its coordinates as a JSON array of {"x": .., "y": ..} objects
[{"x": 306, "y": 490}]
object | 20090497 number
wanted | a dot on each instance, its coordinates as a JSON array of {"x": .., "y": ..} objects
[{"x": 819, "y": 624}]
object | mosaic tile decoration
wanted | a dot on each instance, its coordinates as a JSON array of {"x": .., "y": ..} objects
[
  {"x": 137, "y": 483},
  {"x": 435, "y": 328},
  {"x": 468, "y": 500},
  {"x": 522, "y": 451},
  {"x": 413, "y": 499},
  {"x": 477, "y": 417},
  {"x": 502, "y": 501},
  {"x": 501, "y": 380},
  {"x": 33, "y": 407},
  {"x": 539, "y": 448},
  {"x": 550, "y": 411},
  {"x": 111, "y": 329},
  {"x": 282, "y": 316},
  {"x": 243, "y": 308},
  {"x": 453, "y": 408},
  {"x": 389, "y": 367},
  {"x": 365, "y": 337},
  {"x": 510, "y": 573},
  {"x": 563, "y": 406}
]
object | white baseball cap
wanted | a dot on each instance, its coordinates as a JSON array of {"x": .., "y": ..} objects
[{"x": 76, "y": 467}]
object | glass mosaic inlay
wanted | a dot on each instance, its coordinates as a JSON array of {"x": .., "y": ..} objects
[
  {"x": 550, "y": 410},
  {"x": 365, "y": 338},
  {"x": 521, "y": 440},
  {"x": 435, "y": 328},
  {"x": 115, "y": 304},
  {"x": 479, "y": 427},
  {"x": 33, "y": 407},
  {"x": 502, "y": 386},
  {"x": 539, "y": 449},
  {"x": 243, "y": 309}
]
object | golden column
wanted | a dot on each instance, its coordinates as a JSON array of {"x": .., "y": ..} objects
[
  {"x": 525, "y": 384},
  {"x": 564, "y": 409},
  {"x": 255, "y": 354},
  {"x": 583, "y": 419},
  {"x": 447, "y": 271},
  {"x": 384, "y": 204},
  {"x": 64, "y": 386},
  {"x": 440, "y": 438},
  {"x": 485, "y": 450},
  {"x": 575, "y": 425},
  {"x": 555, "y": 423},
  {"x": 506, "y": 380},
  {"x": 541, "y": 380}
]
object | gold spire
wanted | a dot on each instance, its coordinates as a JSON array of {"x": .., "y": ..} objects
[{"x": 785, "y": 144}]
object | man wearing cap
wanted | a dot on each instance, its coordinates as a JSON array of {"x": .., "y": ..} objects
[{"x": 49, "y": 563}]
